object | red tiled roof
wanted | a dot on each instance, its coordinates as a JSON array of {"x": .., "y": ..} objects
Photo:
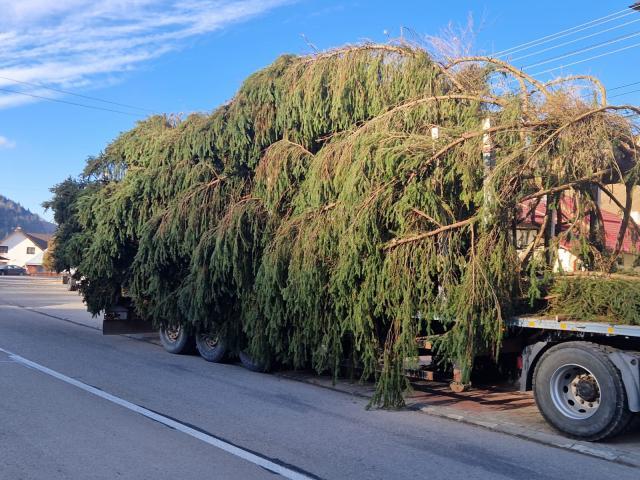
[{"x": 611, "y": 222}]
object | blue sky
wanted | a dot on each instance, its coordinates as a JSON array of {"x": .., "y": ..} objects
[{"x": 192, "y": 55}]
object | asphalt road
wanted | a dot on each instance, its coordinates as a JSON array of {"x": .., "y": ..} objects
[{"x": 77, "y": 405}]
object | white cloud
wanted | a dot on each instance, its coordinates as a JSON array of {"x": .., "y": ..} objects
[
  {"x": 77, "y": 43},
  {"x": 6, "y": 143}
]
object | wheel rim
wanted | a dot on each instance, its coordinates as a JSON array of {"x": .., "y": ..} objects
[
  {"x": 172, "y": 333},
  {"x": 209, "y": 341},
  {"x": 575, "y": 392}
]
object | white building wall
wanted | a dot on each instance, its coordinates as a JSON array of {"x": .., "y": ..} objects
[
  {"x": 567, "y": 261},
  {"x": 570, "y": 263},
  {"x": 18, "y": 244}
]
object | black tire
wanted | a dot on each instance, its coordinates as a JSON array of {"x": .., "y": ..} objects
[
  {"x": 210, "y": 347},
  {"x": 252, "y": 364},
  {"x": 176, "y": 340},
  {"x": 580, "y": 392}
]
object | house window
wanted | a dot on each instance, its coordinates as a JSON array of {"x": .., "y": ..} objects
[
  {"x": 4, "y": 249},
  {"x": 31, "y": 250},
  {"x": 524, "y": 236}
]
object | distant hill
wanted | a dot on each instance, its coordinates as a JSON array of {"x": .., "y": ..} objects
[{"x": 14, "y": 215}]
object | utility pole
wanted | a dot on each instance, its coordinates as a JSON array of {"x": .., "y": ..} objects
[
  {"x": 461, "y": 381},
  {"x": 488, "y": 162}
]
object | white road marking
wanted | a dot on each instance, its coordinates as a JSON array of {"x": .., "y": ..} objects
[{"x": 213, "y": 441}]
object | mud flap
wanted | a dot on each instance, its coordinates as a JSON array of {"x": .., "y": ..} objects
[{"x": 119, "y": 320}]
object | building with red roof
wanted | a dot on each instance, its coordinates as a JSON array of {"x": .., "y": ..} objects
[{"x": 532, "y": 217}]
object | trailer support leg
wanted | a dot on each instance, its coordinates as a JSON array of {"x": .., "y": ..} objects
[{"x": 457, "y": 385}]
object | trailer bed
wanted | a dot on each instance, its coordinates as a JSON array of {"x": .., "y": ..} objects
[{"x": 559, "y": 323}]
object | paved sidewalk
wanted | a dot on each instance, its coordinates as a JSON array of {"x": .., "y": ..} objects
[{"x": 492, "y": 407}]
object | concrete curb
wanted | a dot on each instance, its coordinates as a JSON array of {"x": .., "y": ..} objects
[{"x": 601, "y": 451}]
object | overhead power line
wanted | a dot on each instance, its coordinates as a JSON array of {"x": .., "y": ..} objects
[
  {"x": 585, "y": 49},
  {"x": 563, "y": 33},
  {"x": 611, "y": 52},
  {"x": 593, "y": 23},
  {"x": 624, "y": 86},
  {"x": 569, "y": 42},
  {"x": 624, "y": 93},
  {"x": 67, "y": 92},
  {"x": 58, "y": 100},
  {"x": 576, "y": 29},
  {"x": 585, "y": 95}
]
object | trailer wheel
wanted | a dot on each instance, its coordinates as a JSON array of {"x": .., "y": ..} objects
[
  {"x": 250, "y": 363},
  {"x": 177, "y": 340},
  {"x": 210, "y": 347},
  {"x": 580, "y": 392}
]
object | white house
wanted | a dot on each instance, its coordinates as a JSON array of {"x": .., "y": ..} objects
[{"x": 19, "y": 247}]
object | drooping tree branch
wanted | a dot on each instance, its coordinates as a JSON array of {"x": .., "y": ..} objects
[
  {"x": 573, "y": 121},
  {"x": 425, "y": 216},
  {"x": 596, "y": 82},
  {"x": 566, "y": 186},
  {"x": 421, "y": 101},
  {"x": 396, "y": 242},
  {"x": 505, "y": 66},
  {"x": 622, "y": 208},
  {"x": 532, "y": 246}
]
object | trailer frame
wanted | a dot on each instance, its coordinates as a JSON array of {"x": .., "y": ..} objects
[{"x": 559, "y": 329}]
